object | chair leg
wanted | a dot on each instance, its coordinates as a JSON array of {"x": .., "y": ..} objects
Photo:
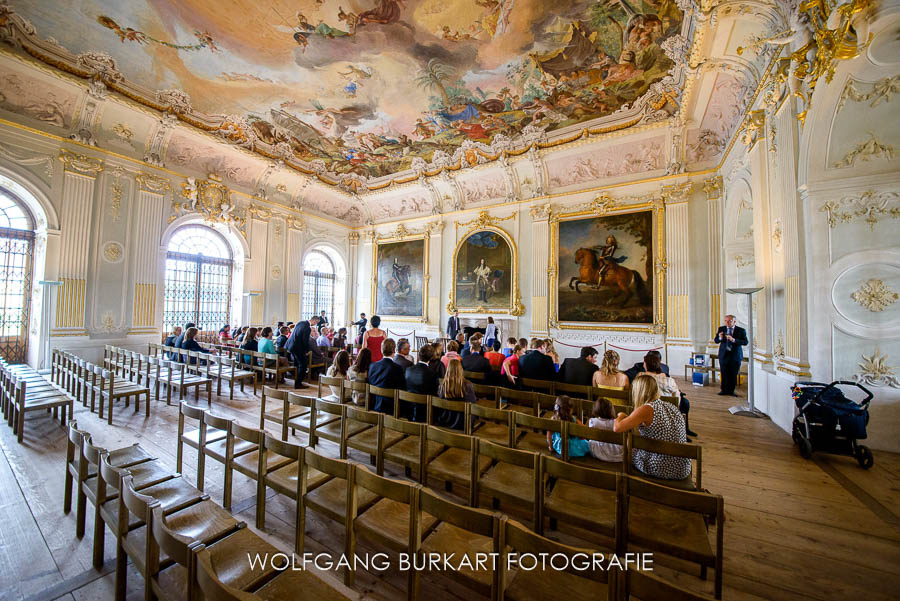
[
  {"x": 121, "y": 572},
  {"x": 147, "y": 400},
  {"x": 226, "y": 493},
  {"x": 201, "y": 469},
  {"x": 99, "y": 538},
  {"x": 67, "y": 494},
  {"x": 80, "y": 510},
  {"x": 260, "y": 501}
]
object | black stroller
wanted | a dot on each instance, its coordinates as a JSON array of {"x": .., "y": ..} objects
[{"x": 830, "y": 422}]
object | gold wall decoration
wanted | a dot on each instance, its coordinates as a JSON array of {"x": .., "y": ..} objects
[
  {"x": 153, "y": 183},
  {"x": 144, "y": 305},
  {"x": 603, "y": 206},
  {"x": 295, "y": 223},
  {"x": 211, "y": 199},
  {"x": 392, "y": 292},
  {"x": 875, "y": 371},
  {"x": 80, "y": 163},
  {"x": 113, "y": 252},
  {"x": 742, "y": 261},
  {"x": 486, "y": 228},
  {"x": 874, "y": 295},
  {"x": 713, "y": 187},
  {"x": 541, "y": 212},
  {"x": 753, "y": 126},
  {"x": 868, "y": 149},
  {"x": 115, "y": 201},
  {"x": 276, "y": 272},
  {"x": 870, "y": 205}
]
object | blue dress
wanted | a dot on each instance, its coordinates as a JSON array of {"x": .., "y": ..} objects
[{"x": 578, "y": 447}]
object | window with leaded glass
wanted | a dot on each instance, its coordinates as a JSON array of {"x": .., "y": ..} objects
[
  {"x": 318, "y": 285},
  {"x": 16, "y": 249}
]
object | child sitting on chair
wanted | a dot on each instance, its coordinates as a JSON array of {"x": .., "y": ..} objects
[
  {"x": 578, "y": 447},
  {"x": 603, "y": 417}
]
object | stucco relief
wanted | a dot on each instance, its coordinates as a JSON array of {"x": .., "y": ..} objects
[
  {"x": 185, "y": 151},
  {"x": 722, "y": 116},
  {"x": 621, "y": 159},
  {"x": 482, "y": 188},
  {"x": 37, "y": 99},
  {"x": 403, "y": 206},
  {"x": 867, "y": 295}
]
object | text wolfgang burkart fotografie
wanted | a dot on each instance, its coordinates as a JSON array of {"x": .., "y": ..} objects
[{"x": 449, "y": 562}]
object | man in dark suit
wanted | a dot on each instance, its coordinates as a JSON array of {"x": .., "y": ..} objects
[
  {"x": 580, "y": 371},
  {"x": 453, "y": 325},
  {"x": 535, "y": 364},
  {"x": 361, "y": 327},
  {"x": 420, "y": 379},
  {"x": 298, "y": 346},
  {"x": 386, "y": 374},
  {"x": 731, "y": 339},
  {"x": 477, "y": 362},
  {"x": 323, "y": 321},
  {"x": 639, "y": 368},
  {"x": 402, "y": 357}
]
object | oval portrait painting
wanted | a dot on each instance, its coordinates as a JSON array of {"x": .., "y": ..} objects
[{"x": 484, "y": 272}]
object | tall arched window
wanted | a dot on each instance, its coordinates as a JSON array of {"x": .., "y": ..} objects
[
  {"x": 198, "y": 279},
  {"x": 16, "y": 250},
  {"x": 318, "y": 285}
]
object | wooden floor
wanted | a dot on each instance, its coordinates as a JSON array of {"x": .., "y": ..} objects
[{"x": 795, "y": 529}]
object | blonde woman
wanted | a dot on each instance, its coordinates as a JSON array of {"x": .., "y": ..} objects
[
  {"x": 551, "y": 352},
  {"x": 455, "y": 387},
  {"x": 657, "y": 419},
  {"x": 609, "y": 376}
]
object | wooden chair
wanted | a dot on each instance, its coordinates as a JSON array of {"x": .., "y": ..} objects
[
  {"x": 373, "y": 391},
  {"x": 487, "y": 396},
  {"x": 335, "y": 430},
  {"x": 111, "y": 390},
  {"x": 494, "y": 425},
  {"x": 393, "y": 521},
  {"x": 514, "y": 478},
  {"x": 76, "y": 467},
  {"x": 523, "y": 401},
  {"x": 409, "y": 404},
  {"x": 196, "y": 438},
  {"x": 271, "y": 367},
  {"x": 180, "y": 379},
  {"x": 332, "y": 498},
  {"x": 276, "y": 415},
  {"x": 546, "y": 404},
  {"x": 571, "y": 583},
  {"x": 475, "y": 376},
  {"x": 463, "y": 531},
  {"x": 675, "y": 522},
  {"x": 412, "y": 451},
  {"x": 637, "y": 585},
  {"x": 331, "y": 383},
  {"x": 436, "y": 405},
  {"x": 530, "y": 432},
  {"x": 371, "y": 439},
  {"x": 542, "y": 386},
  {"x": 282, "y": 587},
  {"x": 588, "y": 500},
  {"x": 357, "y": 390},
  {"x": 693, "y": 452},
  {"x": 225, "y": 450},
  {"x": 614, "y": 395},
  {"x": 456, "y": 465},
  {"x": 573, "y": 430},
  {"x": 41, "y": 400},
  {"x": 226, "y": 370},
  {"x": 254, "y": 464},
  {"x": 314, "y": 367},
  {"x": 286, "y": 480},
  {"x": 156, "y": 373},
  {"x": 307, "y": 418},
  {"x": 573, "y": 390}
]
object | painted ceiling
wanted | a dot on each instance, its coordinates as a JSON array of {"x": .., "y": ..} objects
[{"x": 367, "y": 87}]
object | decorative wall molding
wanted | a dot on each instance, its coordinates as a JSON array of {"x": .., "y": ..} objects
[
  {"x": 879, "y": 91},
  {"x": 27, "y": 161},
  {"x": 80, "y": 163},
  {"x": 150, "y": 182},
  {"x": 874, "y": 371},
  {"x": 484, "y": 219},
  {"x": 870, "y": 205},
  {"x": 868, "y": 149},
  {"x": 874, "y": 295}
]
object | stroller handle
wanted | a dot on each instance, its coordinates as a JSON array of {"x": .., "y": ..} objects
[{"x": 836, "y": 383}]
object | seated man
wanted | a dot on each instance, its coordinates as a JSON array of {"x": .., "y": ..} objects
[
  {"x": 420, "y": 379},
  {"x": 580, "y": 371},
  {"x": 639, "y": 368},
  {"x": 536, "y": 364},
  {"x": 386, "y": 374},
  {"x": 402, "y": 357},
  {"x": 475, "y": 361}
]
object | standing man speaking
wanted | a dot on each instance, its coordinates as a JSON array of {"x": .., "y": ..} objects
[{"x": 730, "y": 338}]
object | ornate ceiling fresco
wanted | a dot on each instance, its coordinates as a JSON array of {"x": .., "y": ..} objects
[{"x": 368, "y": 87}]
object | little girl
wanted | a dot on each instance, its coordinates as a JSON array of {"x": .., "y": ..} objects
[
  {"x": 578, "y": 447},
  {"x": 603, "y": 417}
]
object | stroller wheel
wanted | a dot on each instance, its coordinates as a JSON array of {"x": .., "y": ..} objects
[
  {"x": 864, "y": 456},
  {"x": 805, "y": 447}
]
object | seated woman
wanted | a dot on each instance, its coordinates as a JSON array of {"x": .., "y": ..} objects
[
  {"x": 241, "y": 334},
  {"x": 563, "y": 411},
  {"x": 266, "y": 344},
  {"x": 249, "y": 344},
  {"x": 359, "y": 372},
  {"x": 510, "y": 345},
  {"x": 510, "y": 366},
  {"x": 170, "y": 341},
  {"x": 452, "y": 353},
  {"x": 190, "y": 344},
  {"x": 225, "y": 334},
  {"x": 603, "y": 417},
  {"x": 454, "y": 387},
  {"x": 657, "y": 419},
  {"x": 338, "y": 369},
  {"x": 668, "y": 387},
  {"x": 551, "y": 352},
  {"x": 340, "y": 340},
  {"x": 609, "y": 376},
  {"x": 436, "y": 363}
]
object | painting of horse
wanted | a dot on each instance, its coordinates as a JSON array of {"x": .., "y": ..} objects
[{"x": 605, "y": 267}]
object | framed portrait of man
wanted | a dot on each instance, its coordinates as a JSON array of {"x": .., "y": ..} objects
[{"x": 485, "y": 278}]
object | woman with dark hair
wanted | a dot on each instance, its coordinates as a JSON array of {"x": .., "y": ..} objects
[
  {"x": 373, "y": 338},
  {"x": 359, "y": 372},
  {"x": 340, "y": 340},
  {"x": 242, "y": 333},
  {"x": 490, "y": 334},
  {"x": 250, "y": 344},
  {"x": 338, "y": 369},
  {"x": 225, "y": 334}
]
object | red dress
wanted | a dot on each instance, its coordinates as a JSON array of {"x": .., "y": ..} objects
[{"x": 373, "y": 343}]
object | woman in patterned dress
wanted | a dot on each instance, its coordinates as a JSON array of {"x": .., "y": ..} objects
[{"x": 657, "y": 419}]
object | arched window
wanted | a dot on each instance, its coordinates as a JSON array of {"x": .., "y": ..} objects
[
  {"x": 16, "y": 250},
  {"x": 198, "y": 279},
  {"x": 319, "y": 280}
]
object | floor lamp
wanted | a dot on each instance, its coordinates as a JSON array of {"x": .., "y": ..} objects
[
  {"x": 45, "y": 318},
  {"x": 748, "y": 410}
]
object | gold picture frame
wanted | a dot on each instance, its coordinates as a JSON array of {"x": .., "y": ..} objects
[
  {"x": 603, "y": 206},
  {"x": 400, "y": 236},
  {"x": 515, "y": 307}
]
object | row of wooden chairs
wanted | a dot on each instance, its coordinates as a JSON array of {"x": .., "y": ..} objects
[
  {"x": 512, "y": 418},
  {"x": 158, "y": 372},
  {"x": 23, "y": 390},
  {"x": 394, "y": 513},
  {"x": 161, "y": 522}
]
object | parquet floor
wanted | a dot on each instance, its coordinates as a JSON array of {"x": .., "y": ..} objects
[{"x": 795, "y": 530}]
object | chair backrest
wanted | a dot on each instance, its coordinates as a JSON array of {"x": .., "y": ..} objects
[
  {"x": 663, "y": 447},
  {"x": 502, "y": 454},
  {"x": 573, "y": 390},
  {"x": 252, "y": 435},
  {"x": 639, "y": 584},
  {"x": 622, "y": 397},
  {"x": 525, "y": 542},
  {"x": 403, "y": 426},
  {"x": 269, "y": 393},
  {"x": 217, "y": 421},
  {"x": 411, "y": 397},
  {"x": 477, "y": 376},
  {"x": 285, "y": 448},
  {"x": 470, "y": 519},
  {"x": 545, "y": 386},
  {"x": 378, "y": 391},
  {"x": 358, "y": 414},
  {"x": 485, "y": 392},
  {"x": 545, "y": 402},
  {"x": 531, "y": 422},
  {"x": 138, "y": 504},
  {"x": 177, "y": 547},
  {"x": 588, "y": 433},
  {"x": 456, "y": 440},
  {"x": 498, "y": 416},
  {"x": 212, "y": 587},
  {"x": 331, "y": 381},
  {"x": 436, "y": 402},
  {"x": 519, "y": 400},
  {"x": 709, "y": 505},
  {"x": 395, "y": 490},
  {"x": 339, "y": 468}
]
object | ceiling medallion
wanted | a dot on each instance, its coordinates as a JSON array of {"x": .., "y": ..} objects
[{"x": 875, "y": 296}]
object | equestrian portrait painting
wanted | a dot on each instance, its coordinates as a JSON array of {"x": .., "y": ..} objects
[
  {"x": 605, "y": 267},
  {"x": 399, "y": 286},
  {"x": 484, "y": 275}
]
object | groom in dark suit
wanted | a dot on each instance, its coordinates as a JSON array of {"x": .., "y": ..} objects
[
  {"x": 731, "y": 339},
  {"x": 453, "y": 325}
]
